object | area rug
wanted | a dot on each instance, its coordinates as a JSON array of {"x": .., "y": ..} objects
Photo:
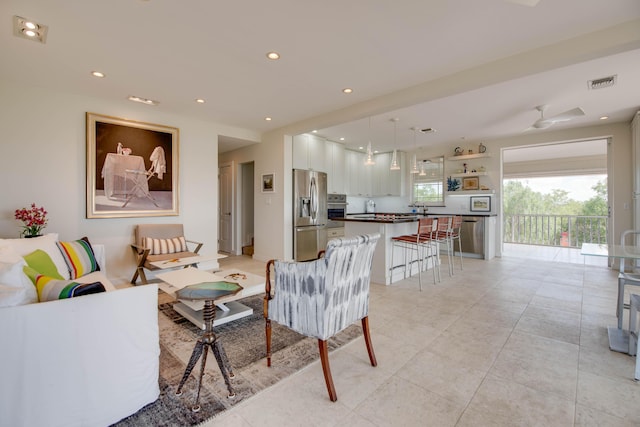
[{"x": 244, "y": 343}]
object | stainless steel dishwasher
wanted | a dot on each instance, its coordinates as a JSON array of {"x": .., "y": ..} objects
[{"x": 472, "y": 236}]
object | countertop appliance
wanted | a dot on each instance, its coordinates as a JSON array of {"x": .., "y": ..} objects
[
  {"x": 309, "y": 214},
  {"x": 336, "y": 208},
  {"x": 370, "y": 206},
  {"x": 472, "y": 236}
]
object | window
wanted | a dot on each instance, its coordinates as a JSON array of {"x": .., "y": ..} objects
[{"x": 428, "y": 185}]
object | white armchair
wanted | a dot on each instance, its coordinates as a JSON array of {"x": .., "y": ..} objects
[{"x": 322, "y": 297}]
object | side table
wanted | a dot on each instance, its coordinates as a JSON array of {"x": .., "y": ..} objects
[{"x": 208, "y": 292}]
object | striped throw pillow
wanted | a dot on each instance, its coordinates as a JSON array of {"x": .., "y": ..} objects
[
  {"x": 165, "y": 246},
  {"x": 79, "y": 257},
  {"x": 50, "y": 289}
]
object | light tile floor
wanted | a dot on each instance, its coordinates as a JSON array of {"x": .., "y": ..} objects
[{"x": 505, "y": 342}]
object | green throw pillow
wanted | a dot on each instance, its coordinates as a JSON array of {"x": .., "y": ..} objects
[{"x": 41, "y": 262}]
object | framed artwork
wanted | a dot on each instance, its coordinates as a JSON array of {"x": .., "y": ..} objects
[
  {"x": 268, "y": 183},
  {"x": 132, "y": 168},
  {"x": 480, "y": 204},
  {"x": 471, "y": 183}
]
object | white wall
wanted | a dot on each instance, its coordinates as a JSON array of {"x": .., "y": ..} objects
[
  {"x": 272, "y": 211},
  {"x": 42, "y": 160}
]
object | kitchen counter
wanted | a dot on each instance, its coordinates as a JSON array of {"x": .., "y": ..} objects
[
  {"x": 405, "y": 217},
  {"x": 384, "y": 218},
  {"x": 396, "y": 224}
]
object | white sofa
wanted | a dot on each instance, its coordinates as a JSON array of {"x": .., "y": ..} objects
[{"x": 85, "y": 361}]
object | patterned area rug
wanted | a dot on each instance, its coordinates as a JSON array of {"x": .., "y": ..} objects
[{"x": 244, "y": 343}]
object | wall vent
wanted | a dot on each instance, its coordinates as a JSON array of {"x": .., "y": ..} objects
[{"x": 602, "y": 82}]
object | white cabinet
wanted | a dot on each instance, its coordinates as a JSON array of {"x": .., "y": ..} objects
[
  {"x": 334, "y": 158},
  {"x": 385, "y": 181},
  {"x": 309, "y": 153},
  {"x": 358, "y": 176}
]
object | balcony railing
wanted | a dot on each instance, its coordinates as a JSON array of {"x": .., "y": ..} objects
[{"x": 555, "y": 230}]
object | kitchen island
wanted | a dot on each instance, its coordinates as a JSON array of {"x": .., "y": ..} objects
[
  {"x": 388, "y": 225},
  {"x": 397, "y": 224}
]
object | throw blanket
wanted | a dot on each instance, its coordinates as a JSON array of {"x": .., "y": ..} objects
[{"x": 158, "y": 163}]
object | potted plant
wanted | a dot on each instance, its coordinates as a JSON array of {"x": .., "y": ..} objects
[{"x": 34, "y": 220}]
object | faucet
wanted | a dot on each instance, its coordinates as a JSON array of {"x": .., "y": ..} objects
[{"x": 424, "y": 210}]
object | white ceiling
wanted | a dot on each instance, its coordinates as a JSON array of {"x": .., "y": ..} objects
[{"x": 472, "y": 69}]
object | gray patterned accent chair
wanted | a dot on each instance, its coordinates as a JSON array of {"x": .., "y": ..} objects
[{"x": 322, "y": 297}]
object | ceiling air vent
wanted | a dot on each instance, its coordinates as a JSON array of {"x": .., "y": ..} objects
[
  {"x": 603, "y": 82},
  {"x": 427, "y": 130}
]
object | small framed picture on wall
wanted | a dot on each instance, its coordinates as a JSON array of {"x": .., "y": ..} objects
[
  {"x": 480, "y": 204},
  {"x": 268, "y": 183}
]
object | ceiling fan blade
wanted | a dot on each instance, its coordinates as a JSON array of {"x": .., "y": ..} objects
[{"x": 567, "y": 115}]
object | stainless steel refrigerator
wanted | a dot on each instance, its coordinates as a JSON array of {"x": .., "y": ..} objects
[{"x": 309, "y": 213}]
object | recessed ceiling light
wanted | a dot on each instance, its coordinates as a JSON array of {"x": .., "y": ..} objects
[
  {"x": 28, "y": 29},
  {"x": 375, "y": 151},
  {"x": 360, "y": 148},
  {"x": 200, "y": 101},
  {"x": 273, "y": 55},
  {"x": 347, "y": 90},
  {"x": 314, "y": 131},
  {"x": 604, "y": 117},
  {"x": 142, "y": 100},
  {"x": 342, "y": 138},
  {"x": 97, "y": 74},
  {"x": 268, "y": 119}
]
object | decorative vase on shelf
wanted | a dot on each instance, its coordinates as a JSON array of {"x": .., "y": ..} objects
[{"x": 29, "y": 236}]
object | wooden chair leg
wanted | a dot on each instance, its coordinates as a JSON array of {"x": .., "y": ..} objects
[
  {"x": 326, "y": 370},
  {"x": 367, "y": 340},
  {"x": 267, "y": 328}
]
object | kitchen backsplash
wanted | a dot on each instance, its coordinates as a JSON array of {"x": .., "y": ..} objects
[{"x": 457, "y": 204}]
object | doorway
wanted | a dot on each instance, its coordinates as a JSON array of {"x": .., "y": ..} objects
[
  {"x": 225, "y": 214},
  {"x": 246, "y": 208},
  {"x": 555, "y": 197}
]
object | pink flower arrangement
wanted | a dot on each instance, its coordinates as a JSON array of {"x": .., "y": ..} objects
[{"x": 33, "y": 218}]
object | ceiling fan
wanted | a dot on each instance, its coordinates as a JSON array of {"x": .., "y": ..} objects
[{"x": 545, "y": 122}]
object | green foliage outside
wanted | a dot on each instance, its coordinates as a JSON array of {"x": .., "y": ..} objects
[{"x": 532, "y": 217}]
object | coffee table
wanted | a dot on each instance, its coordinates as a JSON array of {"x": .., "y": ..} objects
[{"x": 227, "y": 308}]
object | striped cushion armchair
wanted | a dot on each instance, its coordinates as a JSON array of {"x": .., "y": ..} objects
[{"x": 322, "y": 297}]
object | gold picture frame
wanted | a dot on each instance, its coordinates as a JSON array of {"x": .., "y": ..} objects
[
  {"x": 470, "y": 183},
  {"x": 132, "y": 168}
]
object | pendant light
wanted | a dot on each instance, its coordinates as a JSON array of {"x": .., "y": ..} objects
[
  {"x": 414, "y": 163},
  {"x": 394, "y": 158},
  {"x": 369, "y": 161},
  {"x": 422, "y": 171}
]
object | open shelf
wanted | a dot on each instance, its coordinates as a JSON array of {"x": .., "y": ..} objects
[
  {"x": 467, "y": 175},
  {"x": 468, "y": 192},
  {"x": 469, "y": 156}
]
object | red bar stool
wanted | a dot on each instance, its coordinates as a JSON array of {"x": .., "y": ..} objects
[
  {"x": 454, "y": 234},
  {"x": 441, "y": 235},
  {"x": 422, "y": 243}
]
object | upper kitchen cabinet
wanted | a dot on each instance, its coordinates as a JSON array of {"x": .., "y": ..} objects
[
  {"x": 334, "y": 159},
  {"x": 385, "y": 181},
  {"x": 358, "y": 176},
  {"x": 309, "y": 152}
]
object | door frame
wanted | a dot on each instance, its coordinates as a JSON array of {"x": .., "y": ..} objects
[{"x": 232, "y": 216}]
